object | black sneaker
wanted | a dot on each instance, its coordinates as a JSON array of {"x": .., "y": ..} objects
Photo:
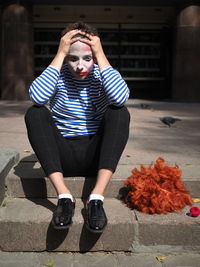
[
  {"x": 96, "y": 216},
  {"x": 62, "y": 216}
]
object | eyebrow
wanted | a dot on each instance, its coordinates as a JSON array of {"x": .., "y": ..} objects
[{"x": 73, "y": 55}]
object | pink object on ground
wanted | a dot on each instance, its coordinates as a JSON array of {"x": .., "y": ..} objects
[{"x": 194, "y": 211}]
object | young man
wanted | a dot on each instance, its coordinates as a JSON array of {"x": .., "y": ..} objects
[{"x": 87, "y": 127}]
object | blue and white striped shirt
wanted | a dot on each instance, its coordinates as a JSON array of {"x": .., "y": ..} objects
[{"x": 77, "y": 106}]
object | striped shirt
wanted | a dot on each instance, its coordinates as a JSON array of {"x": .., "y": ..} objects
[{"x": 77, "y": 106}]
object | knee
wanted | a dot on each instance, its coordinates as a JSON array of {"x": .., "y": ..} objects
[
  {"x": 118, "y": 112},
  {"x": 33, "y": 112},
  {"x": 126, "y": 114}
]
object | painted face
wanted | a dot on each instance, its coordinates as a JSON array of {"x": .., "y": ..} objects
[{"x": 80, "y": 60}]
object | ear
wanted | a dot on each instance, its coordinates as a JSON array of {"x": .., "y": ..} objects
[
  {"x": 66, "y": 59},
  {"x": 95, "y": 60}
]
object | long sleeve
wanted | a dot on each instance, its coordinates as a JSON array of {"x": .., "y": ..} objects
[
  {"x": 44, "y": 86},
  {"x": 116, "y": 89}
]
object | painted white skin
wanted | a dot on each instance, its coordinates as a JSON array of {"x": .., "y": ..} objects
[{"x": 80, "y": 60}]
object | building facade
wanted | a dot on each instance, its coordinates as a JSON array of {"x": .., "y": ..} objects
[{"x": 155, "y": 46}]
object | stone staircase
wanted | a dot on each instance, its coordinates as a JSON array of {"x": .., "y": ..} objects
[{"x": 27, "y": 211}]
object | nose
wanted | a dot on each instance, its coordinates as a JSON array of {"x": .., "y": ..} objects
[{"x": 80, "y": 65}]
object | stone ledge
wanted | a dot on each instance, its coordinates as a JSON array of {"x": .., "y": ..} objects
[
  {"x": 172, "y": 229},
  {"x": 8, "y": 158},
  {"x": 25, "y": 226},
  {"x": 27, "y": 179}
]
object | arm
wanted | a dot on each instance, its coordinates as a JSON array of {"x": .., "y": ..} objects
[
  {"x": 63, "y": 48},
  {"x": 115, "y": 87},
  {"x": 43, "y": 87},
  {"x": 97, "y": 49}
]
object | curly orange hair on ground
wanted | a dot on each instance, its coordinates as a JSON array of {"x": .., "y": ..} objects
[{"x": 157, "y": 189}]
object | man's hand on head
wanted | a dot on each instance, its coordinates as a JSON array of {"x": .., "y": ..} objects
[
  {"x": 95, "y": 43},
  {"x": 65, "y": 42}
]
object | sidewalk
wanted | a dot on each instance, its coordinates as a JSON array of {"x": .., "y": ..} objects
[{"x": 98, "y": 259}]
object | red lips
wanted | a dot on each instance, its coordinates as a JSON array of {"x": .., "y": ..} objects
[{"x": 82, "y": 73}]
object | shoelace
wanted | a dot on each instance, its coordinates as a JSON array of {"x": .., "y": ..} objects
[
  {"x": 97, "y": 209},
  {"x": 66, "y": 207}
]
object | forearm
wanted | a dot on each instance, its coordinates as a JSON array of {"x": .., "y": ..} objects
[
  {"x": 63, "y": 49},
  {"x": 102, "y": 60},
  {"x": 58, "y": 60}
]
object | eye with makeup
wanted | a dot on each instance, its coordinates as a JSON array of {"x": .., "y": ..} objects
[
  {"x": 87, "y": 58},
  {"x": 72, "y": 58}
]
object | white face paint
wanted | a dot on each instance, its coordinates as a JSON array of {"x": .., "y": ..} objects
[{"x": 80, "y": 60}]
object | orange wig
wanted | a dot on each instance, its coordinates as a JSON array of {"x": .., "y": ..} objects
[{"x": 157, "y": 189}]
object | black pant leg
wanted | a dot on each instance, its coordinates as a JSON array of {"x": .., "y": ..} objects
[
  {"x": 115, "y": 132},
  {"x": 44, "y": 137},
  {"x": 56, "y": 152}
]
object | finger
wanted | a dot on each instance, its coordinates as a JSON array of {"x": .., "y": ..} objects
[
  {"x": 70, "y": 33},
  {"x": 73, "y": 40},
  {"x": 86, "y": 41},
  {"x": 73, "y": 35},
  {"x": 73, "y": 31},
  {"x": 89, "y": 36}
]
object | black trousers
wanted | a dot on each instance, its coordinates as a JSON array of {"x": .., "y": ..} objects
[{"x": 81, "y": 155}]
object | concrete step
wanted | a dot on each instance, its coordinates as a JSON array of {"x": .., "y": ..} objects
[
  {"x": 27, "y": 179},
  {"x": 25, "y": 226},
  {"x": 8, "y": 158}
]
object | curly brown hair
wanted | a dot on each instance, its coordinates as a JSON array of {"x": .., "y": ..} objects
[{"x": 80, "y": 25}]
